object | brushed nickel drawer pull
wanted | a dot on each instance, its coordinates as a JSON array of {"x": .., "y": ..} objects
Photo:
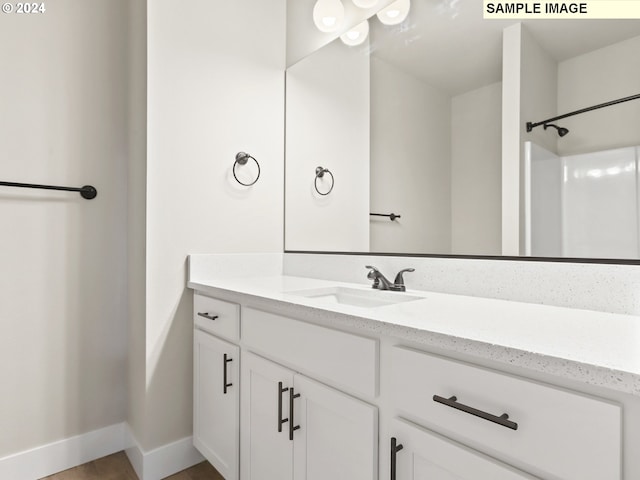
[
  {"x": 453, "y": 403},
  {"x": 206, "y": 315}
]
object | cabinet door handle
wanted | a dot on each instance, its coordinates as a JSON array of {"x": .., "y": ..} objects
[
  {"x": 395, "y": 448},
  {"x": 226, "y": 385},
  {"x": 207, "y": 316},
  {"x": 292, "y": 429},
  {"x": 280, "y": 419},
  {"x": 453, "y": 403}
]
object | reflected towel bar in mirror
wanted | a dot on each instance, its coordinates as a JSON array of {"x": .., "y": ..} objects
[{"x": 392, "y": 216}]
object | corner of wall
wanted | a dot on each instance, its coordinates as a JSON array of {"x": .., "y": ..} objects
[
  {"x": 511, "y": 134},
  {"x": 161, "y": 462}
]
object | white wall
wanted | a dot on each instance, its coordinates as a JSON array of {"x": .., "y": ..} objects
[
  {"x": 410, "y": 163},
  {"x": 476, "y": 171},
  {"x": 597, "y": 77},
  {"x": 215, "y": 87},
  {"x": 328, "y": 126},
  {"x": 63, "y": 312},
  {"x": 511, "y": 118},
  {"x": 529, "y": 95}
]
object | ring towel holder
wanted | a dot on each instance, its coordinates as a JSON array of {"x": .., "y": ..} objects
[
  {"x": 320, "y": 171},
  {"x": 241, "y": 159}
]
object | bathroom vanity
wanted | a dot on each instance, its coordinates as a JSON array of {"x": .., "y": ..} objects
[{"x": 305, "y": 378}]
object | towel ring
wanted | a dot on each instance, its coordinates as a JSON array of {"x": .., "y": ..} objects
[
  {"x": 241, "y": 159},
  {"x": 320, "y": 171}
]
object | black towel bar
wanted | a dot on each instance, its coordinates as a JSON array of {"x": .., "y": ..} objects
[{"x": 88, "y": 192}]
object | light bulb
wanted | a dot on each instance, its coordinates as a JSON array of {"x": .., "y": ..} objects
[
  {"x": 365, "y": 3},
  {"x": 328, "y": 15},
  {"x": 395, "y": 13},
  {"x": 356, "y": 35}
]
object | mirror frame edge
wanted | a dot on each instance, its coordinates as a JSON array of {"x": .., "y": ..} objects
[{"x": 577, "y": 260}]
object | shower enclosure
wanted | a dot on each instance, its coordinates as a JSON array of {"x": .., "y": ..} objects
[{"x": 584, "y": 205}]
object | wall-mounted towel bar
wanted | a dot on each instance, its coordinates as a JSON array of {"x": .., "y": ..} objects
[
  {"x": 88, "y": 192},
  {"x": 392, "y": 216}
]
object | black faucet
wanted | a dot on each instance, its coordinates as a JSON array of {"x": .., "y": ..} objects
[{"x": 380, "y": 282}]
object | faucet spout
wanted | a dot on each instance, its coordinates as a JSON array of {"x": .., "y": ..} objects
[{"x": 398, "y": 283}]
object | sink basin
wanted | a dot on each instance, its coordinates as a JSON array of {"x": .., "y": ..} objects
[{"x": 356, "y": 297}]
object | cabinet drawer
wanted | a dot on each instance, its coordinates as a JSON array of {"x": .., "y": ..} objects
[
  {"x": 339, "y": 358},
  {"x": 559, "y": 433},
  {"x": 227, "y": 323},
  {"x": 421, "y": 454}
]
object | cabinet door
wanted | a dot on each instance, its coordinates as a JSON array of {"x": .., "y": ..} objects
[
  {"x": 216, "y": 402},
  {"x": 338, "y": 434},
  {"x": 267, "y": 453},
  {"x": 424, "y": 455}
]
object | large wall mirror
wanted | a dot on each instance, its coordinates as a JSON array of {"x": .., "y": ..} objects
[{"x": 426, "y": 120}]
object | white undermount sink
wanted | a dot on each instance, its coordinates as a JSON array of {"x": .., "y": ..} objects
[{"x": 356, "y": 297}]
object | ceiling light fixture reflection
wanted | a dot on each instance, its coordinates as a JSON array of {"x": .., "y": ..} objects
[
  {"x": 356, "y": 35},
  {"x": 365, "y": 3},
  {"x": 328, "y": 15},
  {"x": 395, "y": 13}
]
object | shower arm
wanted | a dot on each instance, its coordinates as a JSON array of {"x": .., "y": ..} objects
[{"x": 531, "y": 125}]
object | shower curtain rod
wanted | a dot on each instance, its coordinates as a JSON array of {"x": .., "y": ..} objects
[{"x": 531, "y": 125}]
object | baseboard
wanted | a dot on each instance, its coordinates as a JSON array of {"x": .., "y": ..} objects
[
  {"x": 73, "y": 451},
  {"x": 57, "y": 456},
  {"x": 163, "y": 461}
]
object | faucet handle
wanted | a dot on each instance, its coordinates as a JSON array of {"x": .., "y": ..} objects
[
  {"x": 372, "y": 271},
  {"x": 399, "y": 281},
  {"x": 373, "y": 275}
]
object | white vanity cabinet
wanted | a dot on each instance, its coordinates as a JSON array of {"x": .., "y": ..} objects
[
  {"x": 216, "y": 384},
  {"x": 306, "y": 402}
]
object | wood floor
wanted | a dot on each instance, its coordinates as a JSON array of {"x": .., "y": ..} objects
[{"x": 117, "y": 467}]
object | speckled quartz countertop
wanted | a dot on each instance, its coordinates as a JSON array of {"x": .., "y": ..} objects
[{"x": 596, "y": 348}]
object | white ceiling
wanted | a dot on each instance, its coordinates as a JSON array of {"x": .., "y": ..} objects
[{"x": 449, "y": 45}]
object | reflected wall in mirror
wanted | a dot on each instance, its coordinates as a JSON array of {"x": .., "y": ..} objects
[{"x": 427, "y": 121}]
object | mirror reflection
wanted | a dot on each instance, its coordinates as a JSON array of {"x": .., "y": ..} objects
[{"x": 426, "y": 120}]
